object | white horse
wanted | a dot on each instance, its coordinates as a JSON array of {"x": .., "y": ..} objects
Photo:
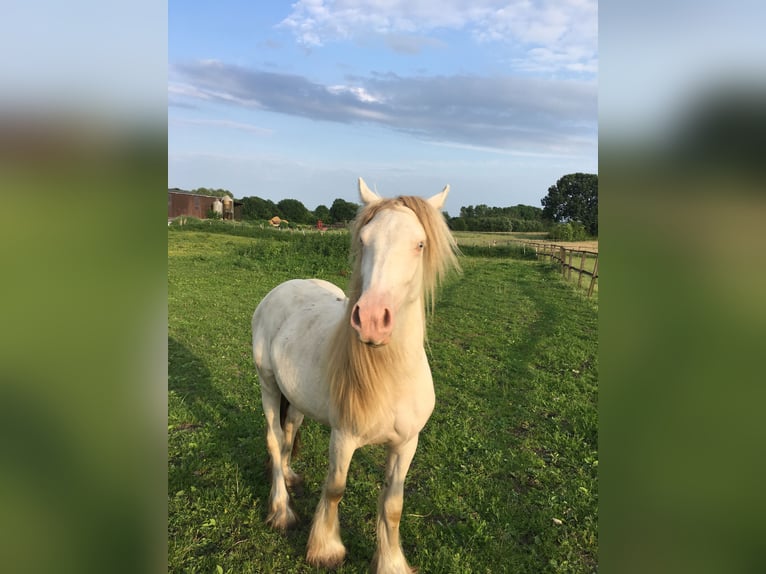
[{"x": 356, "y": 364}]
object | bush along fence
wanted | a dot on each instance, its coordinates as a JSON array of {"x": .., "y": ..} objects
[{"x": 568, "y": 258}]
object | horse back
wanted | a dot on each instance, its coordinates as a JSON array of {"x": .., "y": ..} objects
[
  {"x": 291, "y": 328},
  {"x": 291, "y": 297}
]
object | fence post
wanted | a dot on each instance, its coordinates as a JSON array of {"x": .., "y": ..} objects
[
  {"x": 569, "y": 272},
  {"x": 582, "y": 268},
  {"x": 593, "y": 277},
  {"x": 563, "y": 255}
]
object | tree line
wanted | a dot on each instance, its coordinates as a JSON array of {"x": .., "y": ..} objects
[
  {"x": 257, "y": 208},
  {"x": 484, "y": 218},
  {"x": 472, "y": 218},
  {"x": 569, "y": 212}
]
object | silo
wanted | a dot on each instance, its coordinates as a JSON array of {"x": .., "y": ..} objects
[{"x": 228, "y": 207}]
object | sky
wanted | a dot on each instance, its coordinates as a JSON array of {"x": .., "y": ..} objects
[{"x": 297, "y": 100}]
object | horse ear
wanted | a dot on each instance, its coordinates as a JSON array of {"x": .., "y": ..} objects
[
  {"x": 366, "y": 194},
  {"x": 437, "y": 201}
]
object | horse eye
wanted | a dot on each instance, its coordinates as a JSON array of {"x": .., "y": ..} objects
[{"x": 421, "y": 244}]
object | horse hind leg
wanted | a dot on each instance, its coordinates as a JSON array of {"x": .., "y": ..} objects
[
  {"x": 291, "y": 419},
  {"x": 281, "y": 515}
]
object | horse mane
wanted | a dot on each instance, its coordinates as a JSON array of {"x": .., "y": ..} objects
[{"x": 359, "y": 375}]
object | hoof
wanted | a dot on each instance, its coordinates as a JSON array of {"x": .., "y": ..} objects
[
  {"x": 282, "y": 519},
  {"x": 330, "y": 556},
  {"x": 395, "y": 566}
]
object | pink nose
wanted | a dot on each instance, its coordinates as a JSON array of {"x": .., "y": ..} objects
[{"x": 373, "y": 321}]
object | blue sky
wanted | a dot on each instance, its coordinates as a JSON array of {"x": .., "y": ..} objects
[{"x": 298, "y": 99}]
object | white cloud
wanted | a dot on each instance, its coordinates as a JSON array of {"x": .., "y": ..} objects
[
  {"x": 357, "y": 91},
  {"x": 185, "y": 91},
  {"x": 243, "y": 126},
  {"x": 567, "y": 28}
]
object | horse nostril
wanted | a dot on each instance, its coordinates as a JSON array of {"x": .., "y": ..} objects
[
  {"x": 355, "y": 320},
  {"x": 386, "y": 318}
]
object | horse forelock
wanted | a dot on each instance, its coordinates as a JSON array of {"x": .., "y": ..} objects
[{"x": 359, "y": 375}]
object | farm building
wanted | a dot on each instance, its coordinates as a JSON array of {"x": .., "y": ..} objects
[{"x": 182, "y": 202}]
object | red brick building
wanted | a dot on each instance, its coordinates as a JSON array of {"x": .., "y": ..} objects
[{"x": 182, "y": 202}]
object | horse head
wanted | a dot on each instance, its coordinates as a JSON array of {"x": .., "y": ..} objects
[{"x": 392, "y": 239}]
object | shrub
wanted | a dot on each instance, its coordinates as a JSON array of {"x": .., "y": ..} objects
[
  {"x": 570, "y": 231},
  {"x": 185, "y": 220},
  {"x": 561, "y": 232},
  {"x": 579, "y": 233}
]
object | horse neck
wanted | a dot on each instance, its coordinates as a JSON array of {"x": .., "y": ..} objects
[{"x": 410, "y": 323}]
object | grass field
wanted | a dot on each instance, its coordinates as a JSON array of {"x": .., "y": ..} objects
[
  {"x": 476, "y": 241},
  {"x": 505, "y": 477},
  {"x": 487, "y": 238}
]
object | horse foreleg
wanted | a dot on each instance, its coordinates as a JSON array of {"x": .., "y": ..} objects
[
  {"x": 325, "y": 547},
  {"x": 281, "y": 516},
  {"x": 389, "y": 557}
]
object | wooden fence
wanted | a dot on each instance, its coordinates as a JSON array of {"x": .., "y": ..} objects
[{"x": 567, "y": 258}]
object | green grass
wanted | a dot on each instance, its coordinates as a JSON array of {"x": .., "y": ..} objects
[
  {"x": 498, "y": 237},
  {"x": 503, "y": 244},
  {"x": 577, "y": 262},
  {"x": 505, "y": 477}
]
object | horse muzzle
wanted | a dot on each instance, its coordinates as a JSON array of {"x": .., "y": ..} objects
[{"x": 373, "y": 319}]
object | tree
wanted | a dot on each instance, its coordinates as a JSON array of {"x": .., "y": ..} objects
[
  {"x": 343, "y": 210},
  {"x": 294, "y": 211},
  {"x": 527, "y": 212},
  {"x": 322, "y": 212},
  {"x": 573, "y": 198},
  {"x": 259, "y": 208},
  {"x": 481, "y": 210},
  {"x": 457, "y": 224}
]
